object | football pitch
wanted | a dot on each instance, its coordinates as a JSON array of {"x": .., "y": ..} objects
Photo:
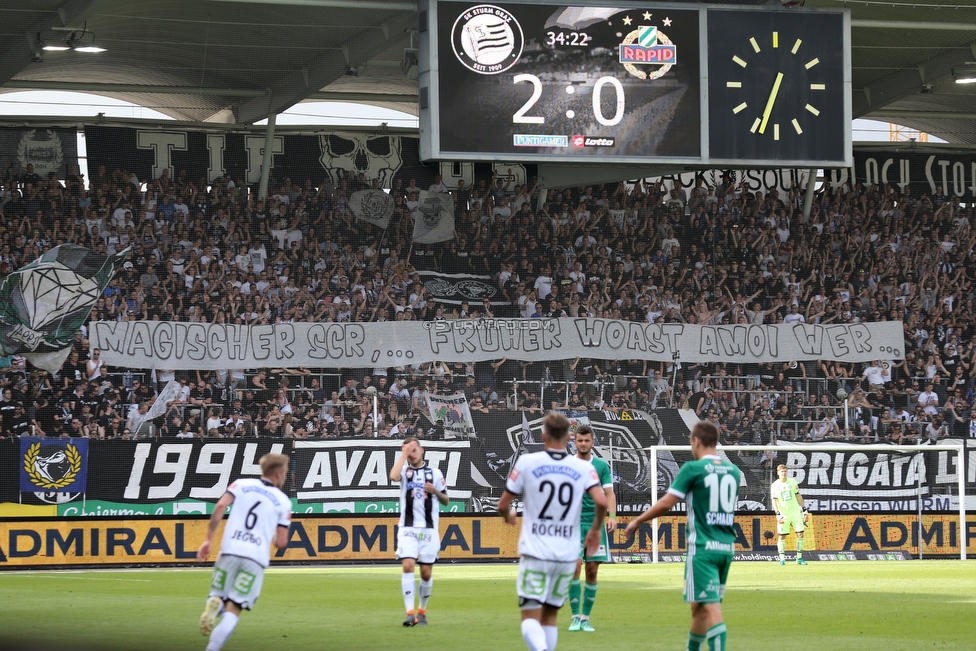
[{"x": 840, "y": 606}]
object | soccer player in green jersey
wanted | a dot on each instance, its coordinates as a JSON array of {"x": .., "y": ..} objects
[
  {"x": 790, "y": 512},
  {"x": 710, "y": 486},
  {"x": 584, "y": 451}
]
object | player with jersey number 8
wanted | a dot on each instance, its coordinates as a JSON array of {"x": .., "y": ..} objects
[
  {"x": 710, "y": 486},
  {"x": 261, "y": 515},
  {"x": 552, "y": 484}
]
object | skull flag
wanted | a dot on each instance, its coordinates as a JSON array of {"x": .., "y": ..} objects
[
  {"x": 44, "y": 303},
  {"x": 373, "y": 206},
  {"x": 433, "y": 219}
]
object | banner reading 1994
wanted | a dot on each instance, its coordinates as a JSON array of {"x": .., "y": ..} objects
[{"x": 162, "y": 344}]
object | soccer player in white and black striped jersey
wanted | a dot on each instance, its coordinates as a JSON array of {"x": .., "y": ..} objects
[{"x": 418, "y": 540}]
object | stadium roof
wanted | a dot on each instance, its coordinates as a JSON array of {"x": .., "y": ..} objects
[{"x": 236, "y": 61}]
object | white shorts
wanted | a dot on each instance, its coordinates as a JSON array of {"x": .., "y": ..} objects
[
  {"x": 418, "y": 543},
  {"x": 237, "y": 579},
  {"x": 543, "y": 582}
]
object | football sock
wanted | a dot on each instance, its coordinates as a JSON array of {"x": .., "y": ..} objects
[
  {"x": 799, "y": 548},
  {"x": 695, "y": 641},
  {"x": 574, "y": 596},
  {"x": 425, "y": 588},
  {"x": 589, "y": 596},
  {"x": 407, "y": 585},
  {"x": 534, "y": 636},
  {"x": 218, "y": 637},
  {"x": 716, "y": 637},
  {"x": 781, "y": 546},
  {"x": 552, "y": 635}
]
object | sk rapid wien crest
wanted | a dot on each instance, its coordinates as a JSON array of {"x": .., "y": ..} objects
[
  {"x": 52, "y": 471},
  {"x": 646, "y": 46}
]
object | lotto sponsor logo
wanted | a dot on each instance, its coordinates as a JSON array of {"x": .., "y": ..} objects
[
  {"x": 593, "y": 141},
  {"x": 533, "y": 140}
]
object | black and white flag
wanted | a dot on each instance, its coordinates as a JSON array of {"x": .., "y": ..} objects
[
  {"x": 373, "y": 206},
  {"x": 433, "y": 219}
]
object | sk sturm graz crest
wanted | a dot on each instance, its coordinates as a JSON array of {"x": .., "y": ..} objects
[
  {"x": 53, "y": 466},
  {"x": 487, "y": 39},
  {"x": 44, "y": 303}
]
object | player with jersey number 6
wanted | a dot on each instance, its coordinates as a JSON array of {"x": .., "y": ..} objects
[
  {"x": 418, "y": 540},
  {"x": 552, "y": 484},
  {"x": 710, "y": 487},
  {"x": 261, "y": 515}
]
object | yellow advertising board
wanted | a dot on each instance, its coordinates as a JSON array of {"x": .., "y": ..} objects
[{"x": 173, "y": 540}]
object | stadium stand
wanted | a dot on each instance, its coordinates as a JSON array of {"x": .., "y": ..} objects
[{"x": 636, "y": 251}]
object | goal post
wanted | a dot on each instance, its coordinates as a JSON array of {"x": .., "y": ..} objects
[{"x": 958, "y": 447}]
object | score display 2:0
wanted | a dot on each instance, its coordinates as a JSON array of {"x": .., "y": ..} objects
[{"x": 520, "y": 116}]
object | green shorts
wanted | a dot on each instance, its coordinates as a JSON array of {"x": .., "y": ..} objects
[
  {"x": 602, "y": 554},
  {"x": 705, "y": 576},
  {"x": 795, "y": 521}
]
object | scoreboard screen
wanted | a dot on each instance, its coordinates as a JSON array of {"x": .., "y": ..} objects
[{"x": 551, "y": 82}]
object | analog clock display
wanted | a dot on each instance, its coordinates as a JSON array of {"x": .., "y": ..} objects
[
  {"x": 777, "y": 86},
  {"x": 525, "y": 80}
]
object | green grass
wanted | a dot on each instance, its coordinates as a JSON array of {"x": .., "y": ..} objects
[{"x": 853, "y": 606}]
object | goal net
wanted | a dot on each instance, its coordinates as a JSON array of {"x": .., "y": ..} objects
[{"x": 865, "y": 501}]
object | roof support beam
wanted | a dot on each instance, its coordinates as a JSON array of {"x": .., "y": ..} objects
[
  {"x": 325, "y": 69},
  {"x": 921, "y": 115},
  {"x": 330, "y": 96},
  {"x": 329, "y": 4},
  {"x": 905, "y": 83},
  {"x": 907, "y": 24},
  {"x": 89, "y": 87}
]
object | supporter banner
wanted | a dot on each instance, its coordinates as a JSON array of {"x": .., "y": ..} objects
[
  {"x": 878, "y": 481},
  {"x": 45, "y": 302},
  {"x": 455, "y": 289},
  {"x": 453, "y": 412},
  {"x": 161, "y": 344},
  {"x": 343, "y": 472},
  {"x": 174, "y": 540},
  {"x": 373, "y": 206},
  {"x": 53, "y": 465},
  {"x": 919, "y": 172},
  {"x": 433, "y": 218},
  {"x": 48, "y": 150}
]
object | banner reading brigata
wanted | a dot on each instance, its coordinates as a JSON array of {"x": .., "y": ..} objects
[{"x": 155, "y": 344}]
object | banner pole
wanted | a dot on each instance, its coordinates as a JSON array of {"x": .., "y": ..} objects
[
  {"x": 654, "y": 545},
  {"x": 918, "y": 484}
]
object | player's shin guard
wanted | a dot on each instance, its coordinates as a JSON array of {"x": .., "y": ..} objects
[
  {"x": 408, "y": 586},
  {"x": 695, "y": 641},
  {"x": 222, "y": 632},
  {"x": 589, "y": 597},
  {"x": 534, "y": 636},
  {"x": 781, "y": 547},
  {"x": 574, "y": 596},
  {"x": 552, "y": 636},
  {"x": 425, "y": 589},
  {"x": 799, "y": 548},
  {"x": 716, "y": 637}
]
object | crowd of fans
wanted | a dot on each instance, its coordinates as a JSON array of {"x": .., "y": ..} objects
[{"x": 644, "y": 251}]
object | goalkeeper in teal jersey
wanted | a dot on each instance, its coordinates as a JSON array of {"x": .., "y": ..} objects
[
  {"x": 710, "y": 487},
  {"x": 790, "y": 512},
  {"x": 581, "y": 610}
]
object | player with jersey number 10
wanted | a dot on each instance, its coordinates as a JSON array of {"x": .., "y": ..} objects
[
  {"x": 552, "y": 484},
  {"x": 418, "y": 539},
  {"x": 261, "y": 515},
  {"x": 710, "y": 487}
]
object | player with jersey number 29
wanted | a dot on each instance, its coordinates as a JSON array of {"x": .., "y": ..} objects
[
  {"x": 418, "y": 539},
  {"x": 552, "y": 484},
  {"x": 261, "y": 515},
  {"x": 710, "y": 487}
]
